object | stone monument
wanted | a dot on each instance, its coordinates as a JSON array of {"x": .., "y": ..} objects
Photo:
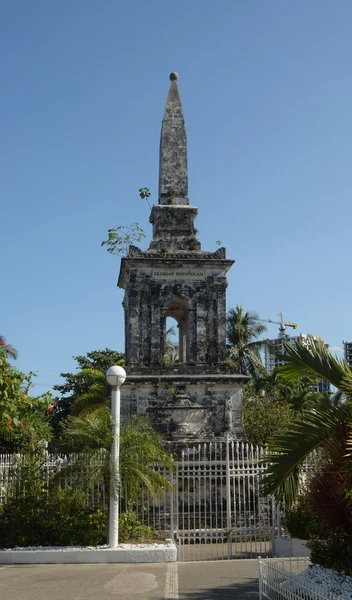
[{"x": 196, "y": 395}]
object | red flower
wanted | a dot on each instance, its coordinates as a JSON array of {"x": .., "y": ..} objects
[
  {"x": 26, "y": 389},
  {"x": 8, "y": 351},
  {"x": 2, "y": 343},
  {"x": 54, "y": 403},
  {"x": 21, "y": 392},
  {"x": 50, "y": 409},
  {"x": 9, "y": 422},
  {"x": 22, "y": 426}
]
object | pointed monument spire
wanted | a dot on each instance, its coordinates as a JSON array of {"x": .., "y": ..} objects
[{"x": 173, "y": 173}]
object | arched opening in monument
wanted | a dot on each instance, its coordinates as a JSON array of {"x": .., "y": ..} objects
[{"x": 177, "y": 310}]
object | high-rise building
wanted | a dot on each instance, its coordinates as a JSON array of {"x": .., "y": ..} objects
[
  {"x": 347, "y": 352},
  {"x": 276, "y": 347}
]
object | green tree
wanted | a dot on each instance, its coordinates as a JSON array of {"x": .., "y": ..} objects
[
  {"x": 325, "y": 428},
  {"x": 298, "y": 394},
  {"x": 21, "y": 416},
  {"x": 87, "y": 386},
  {"x": 141, "y": 450},
  {"x": 243, "y": 331},
  {"x": 264, "y": 416}
]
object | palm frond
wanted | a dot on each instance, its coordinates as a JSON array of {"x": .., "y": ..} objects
[
  {"x": 289, "y": 450},
  {"x": 315, "y": 359}
]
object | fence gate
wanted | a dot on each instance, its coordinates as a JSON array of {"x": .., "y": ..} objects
[{"x": 217, "y": 509}]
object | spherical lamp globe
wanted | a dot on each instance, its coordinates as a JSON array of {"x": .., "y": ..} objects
[{"x": 115, "y": 376}]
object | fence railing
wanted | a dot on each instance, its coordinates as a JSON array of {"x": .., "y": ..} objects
[
  {"x": 70, "y": 469},
  {"x": 279, "y": 579},
  {"x": 215, "y": 509}
]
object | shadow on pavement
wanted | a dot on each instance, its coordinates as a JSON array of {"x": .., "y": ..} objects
[{"x": 234, "y": 591}]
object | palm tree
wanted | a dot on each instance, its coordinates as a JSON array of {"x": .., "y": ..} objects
[
  {"x": 171, "y": 348},
  {"x": 243, "y": 331},
  {"x": 141, "y": 453},
  {"x": 326, "y": 428},
  {"x": 299, "y": 394}
]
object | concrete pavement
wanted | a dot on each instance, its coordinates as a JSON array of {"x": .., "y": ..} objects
[{"x": 217, "y": 580}]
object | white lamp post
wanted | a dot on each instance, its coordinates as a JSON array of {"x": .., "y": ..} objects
[{"x": 115, "y": 377}]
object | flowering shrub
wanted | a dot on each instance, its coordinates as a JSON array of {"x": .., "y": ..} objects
[{"x": 20, "y": 414}]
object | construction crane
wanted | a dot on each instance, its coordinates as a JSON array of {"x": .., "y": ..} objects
[{"x": 283, "y": 325}]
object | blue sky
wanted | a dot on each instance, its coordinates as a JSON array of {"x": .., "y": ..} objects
[{"x": 267, "y": 95}]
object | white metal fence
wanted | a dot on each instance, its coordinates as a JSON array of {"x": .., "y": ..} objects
[
  {"x": 216, "y": 509},
  {"x": 279, "y": 580},
  {"x": 60, "y": 464}
]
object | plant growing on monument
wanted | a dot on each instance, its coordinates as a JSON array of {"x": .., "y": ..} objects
[
  {"x": 120, "y": 238},
  {"x": 145, "y": 193}
]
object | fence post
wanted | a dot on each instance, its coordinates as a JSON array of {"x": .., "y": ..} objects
[
  {"x": 172, "y": 493},
  {"x": 260, "y": 579},
  {"x": 228, "y": 500}
]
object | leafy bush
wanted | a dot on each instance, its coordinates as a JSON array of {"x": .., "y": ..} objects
[
  {"x": 61, "y": 518},
  {"x": 264, "y": 418},
  {"x": 131, "y": 529},
  {"x": 302, "y": 522},
  {"x": 333, "y": 552},
  {"x": 38, "y": 512}
]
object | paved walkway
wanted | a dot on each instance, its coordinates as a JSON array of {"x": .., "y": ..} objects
[{"x": 218, "y": 580}]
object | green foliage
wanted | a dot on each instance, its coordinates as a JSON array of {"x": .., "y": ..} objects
[
  {"x": 297, "y": 393},
  {"x": 85, "y": 388},
  {"x": 326, "y": 427},
  {"x": 318, "y": 429},
  {"x": 60, "y": 518},
  {"x": 272, "y": 404},
  {"x": 243, "y": 347},
  {"x": 120, "y": 238},
  {"x": 264, "y": 418},
  {"x": 7, "y": 348},
  {"x": 145, "y": 193},
  {"x": 315, "y": 360},
  {"x": 21, "y": 415},
  {"x": 171, "y": 347},
  {"x": 38, "y": 512},
  {"x": 140, "y": 451},
  {"x": 130, "y": 529},
  {"x": 333, "y": 552},
  {"x": 301, "y": 521}
]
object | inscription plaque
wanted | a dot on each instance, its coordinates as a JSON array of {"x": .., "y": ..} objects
[{"x": 174, "y": 274}]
